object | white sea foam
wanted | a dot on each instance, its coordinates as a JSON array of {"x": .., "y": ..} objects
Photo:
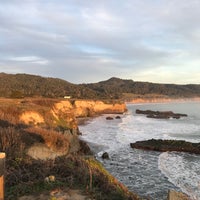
[
  {"x": 183, "y": 171},
  {"x": 135, "y": 128}
]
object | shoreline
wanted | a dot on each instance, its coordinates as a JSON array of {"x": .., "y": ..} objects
[
  {"x": 162, "y": 100},
  {"x": 182, "y": 194}
]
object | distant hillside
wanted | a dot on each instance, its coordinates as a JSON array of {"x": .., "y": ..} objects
[
  {"x": 24, "y": 85},
  {"x": 119, "y": 88}
]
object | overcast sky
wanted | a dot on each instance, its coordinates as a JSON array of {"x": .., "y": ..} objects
[{"x": 85, "y": 41}]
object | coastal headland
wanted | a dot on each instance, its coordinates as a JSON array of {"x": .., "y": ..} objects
[
  {"x": 45, "y": 157},
  {"x": 43, "y": 133},
  {"x": 161, "y": 99},
  {"x": 39, "y": 130}
]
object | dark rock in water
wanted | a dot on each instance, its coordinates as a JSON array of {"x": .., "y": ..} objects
[
  {"x": 109, "y": 118},
  {"x": 160, "y": 114},
  {"x": 117, "y": 117},
  {"x": 167, "y": 145},
  {"x": 105, "y": 155},
  {"x": 145, "y": 112},
  {"x": 84, "y": 148}
]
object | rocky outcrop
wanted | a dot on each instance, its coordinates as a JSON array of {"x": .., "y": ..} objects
[
  {"x": 167, "y": 145},
  {"x": 31, "y": 117},
  {"x": 64, "y": 117},
  {"x": 109, "y": 118},
  {"x": 43, "y": 152},
  {"x": 160, "y": 114},
  {"x": 118, "y": 117},
  {"x": 88, "y": 108},
  {"x": 174, "y": 195},
  {"x": 105, "y": 155}
]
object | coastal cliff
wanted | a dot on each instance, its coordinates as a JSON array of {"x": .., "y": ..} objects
[
  {"x": 70, "y": 110},
  {"x": 90, "y": 108},
  {"x": 40, "y": 139},
  {"x": 38, "y": 116}
]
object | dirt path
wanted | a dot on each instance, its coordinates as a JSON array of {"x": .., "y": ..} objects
[{"x": 58, "y": 194}]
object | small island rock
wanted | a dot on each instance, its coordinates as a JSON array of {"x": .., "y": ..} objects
[
  {"x": 118, "y": 117},
  {"x": 167, "y": 145},
  {"x": 105, "y": 155},
  {"x": 109, "y": 118},
  {"x": 160, "y": 114}
]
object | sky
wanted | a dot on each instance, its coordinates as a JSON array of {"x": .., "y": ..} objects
[{"x": 85, "y": 41}]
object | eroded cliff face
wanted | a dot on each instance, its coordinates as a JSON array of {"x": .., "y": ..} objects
[
  {"x": 31, "y": 117},
  {"x": 90, "y": 108},
  {"x": 62, "y": 116},
  {"x": 63, "y": 113}
]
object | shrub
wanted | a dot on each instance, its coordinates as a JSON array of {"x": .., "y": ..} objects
[{"x": 11, "y": 142}]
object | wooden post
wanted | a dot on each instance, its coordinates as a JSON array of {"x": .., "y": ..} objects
[{"x": 2, "y": 174}]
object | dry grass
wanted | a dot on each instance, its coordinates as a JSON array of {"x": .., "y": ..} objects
[
  {"x": 11, "y": 142},
  {"x": 53, "y": 139},
  {"x": 10, "y": 113},
  {"x": 11, "y": 109},
  {"x": 47, "y": 102},
  {"x": 15, "y": 140},
  {"x": 16, "y": 136}
]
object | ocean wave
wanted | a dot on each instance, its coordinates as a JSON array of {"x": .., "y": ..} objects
[
  {"x": 141, "y": 170},
  {"x": 182, "y": 170}
]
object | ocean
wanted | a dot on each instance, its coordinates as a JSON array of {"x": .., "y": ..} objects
[{"x": 148, "y": 173}]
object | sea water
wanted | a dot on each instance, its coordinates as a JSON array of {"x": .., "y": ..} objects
[{"x": 150, "y": 174}]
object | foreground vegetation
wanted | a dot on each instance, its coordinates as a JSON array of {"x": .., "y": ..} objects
[
  {"x": 26, "y": 176},
  {"x": 74, "y": 168}
]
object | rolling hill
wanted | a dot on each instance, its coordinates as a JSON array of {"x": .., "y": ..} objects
[
  {"x": 26, "y": 85},
  {"x": 119, "y": 88}
]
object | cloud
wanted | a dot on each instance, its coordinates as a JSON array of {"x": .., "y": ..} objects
[
  {"x": 30, "y": 59},
  {"x": 84, "y": 41}
]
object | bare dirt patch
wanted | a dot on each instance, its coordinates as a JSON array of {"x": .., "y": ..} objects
[{"x": 66, "y": 194}]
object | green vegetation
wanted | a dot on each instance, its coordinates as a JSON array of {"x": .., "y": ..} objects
[
  {"x": 73, "y": 172},
  {"x": 119, "y": 88},
  {"x": 24, "y": 85}
]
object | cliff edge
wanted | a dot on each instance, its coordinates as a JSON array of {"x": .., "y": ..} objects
[
  {"x": 44, "y": 153},
  {"x": 49, "y": 127}
]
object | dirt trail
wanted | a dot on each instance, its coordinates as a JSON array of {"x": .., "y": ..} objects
[{"x": 57, "y": 194}]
